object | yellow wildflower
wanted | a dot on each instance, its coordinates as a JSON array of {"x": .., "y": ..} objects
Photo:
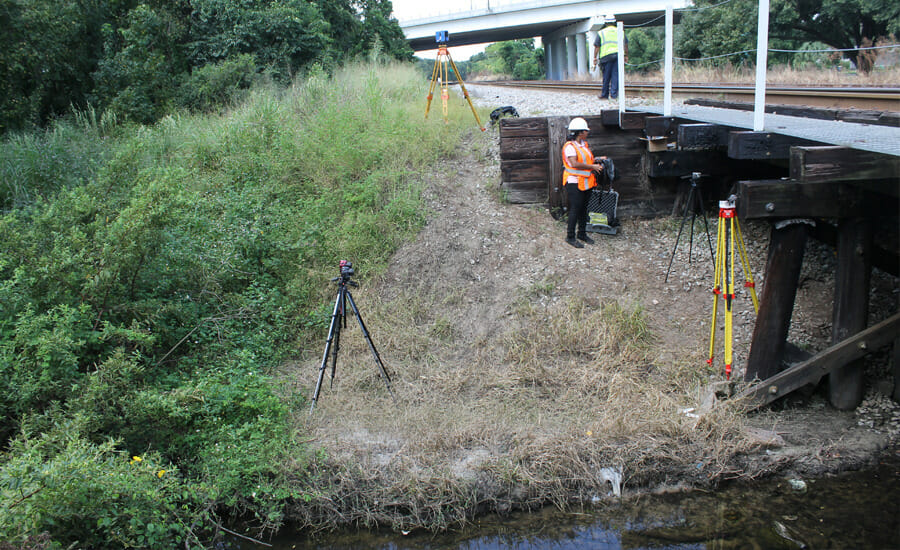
[
  {"x": 135, "y": 459},
  {"x": 160, "y": 473}
]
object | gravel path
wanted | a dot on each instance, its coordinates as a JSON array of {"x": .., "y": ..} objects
[{"x": 546, "y": 103}]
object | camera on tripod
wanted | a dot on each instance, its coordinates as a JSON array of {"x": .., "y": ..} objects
[
  {"x": 346, "y": 269},
  {"x": 339, "y": 320}
]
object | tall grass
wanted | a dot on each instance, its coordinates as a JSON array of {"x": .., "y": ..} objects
[{"x": 153, "y": 278}]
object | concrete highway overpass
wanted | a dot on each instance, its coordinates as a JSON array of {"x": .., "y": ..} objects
[{"x": 567, "y": 28}]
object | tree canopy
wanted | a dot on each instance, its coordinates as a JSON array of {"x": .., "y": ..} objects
[
  {"x": 138, "y": 58},
  {"x": 516, "y": 58},
  {"x": 848, "y": 25}
]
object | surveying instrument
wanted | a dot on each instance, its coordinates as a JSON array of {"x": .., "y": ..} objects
[
  {"x": 440, "y": 72},
  {"x": 339, "y": 319},
  {"x": 693, "y": 204},
  {"x": 729, "y": 235}
]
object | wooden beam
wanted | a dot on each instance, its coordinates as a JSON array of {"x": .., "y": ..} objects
[
  {"x": 523, "y": 127},
  {"x": 557, "y": 133},
  {"x": 762, "y": 145},
  {"x": 821, "y": 364},
  {"x": 665, "y": 164},
  {"x": 776, "y": 303},
  {"x": 851, "y": 307},
  {"x": 896, "y": 393},
  {"x": 531, "y": 147},
  {"x": 517, "y": 171},
  {"x": 528, "y": 192},
  {"x": 833, "y": 163},
  {"x": 632, "y": 120},
  {"x": 609, "y": 117},
  {"x": 789, "y": 199},
  {"x": 663, "y": 126},
  {"x": 702, "y": 136}
]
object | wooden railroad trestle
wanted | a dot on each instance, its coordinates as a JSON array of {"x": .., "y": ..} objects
[{"x": 852, "y": 195}]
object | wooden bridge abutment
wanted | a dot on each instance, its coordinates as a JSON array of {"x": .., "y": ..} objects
[{"x": 846, "y": 197}]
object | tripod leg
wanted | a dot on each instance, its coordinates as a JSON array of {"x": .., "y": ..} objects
[
  {"x": 680, "y": 229},
  {"x": 331, "y": 331},
  {"x": 434, "y": 75},
  {"x": 382, "y": 371},
  {"x": 465, "y": 92},
  {"x": 729, "y": 301},
  {"x": 342, "y": 323},
  {"x": 745, "y": 262},
  {"x": 706, "y": 226}
]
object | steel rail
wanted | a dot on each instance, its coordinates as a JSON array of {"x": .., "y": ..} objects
[{"x": 879, "y": 98}]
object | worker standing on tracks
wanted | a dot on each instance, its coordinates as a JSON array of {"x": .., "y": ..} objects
[
  {"x": 578, "y": 178},
  {"x": 606, "y": 55}
]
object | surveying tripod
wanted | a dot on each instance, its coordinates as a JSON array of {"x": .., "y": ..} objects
[
  {"x": 440, "y": 72},
  {"x": 729, "y": 228},
  {"x": 338, "y": 319},
  {"x": 695, "y": 204}
]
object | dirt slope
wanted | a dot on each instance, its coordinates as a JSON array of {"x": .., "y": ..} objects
[{"x": 486, "y": 421}]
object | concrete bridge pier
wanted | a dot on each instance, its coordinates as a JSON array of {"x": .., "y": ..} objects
[
  {"x": 556, "y": 58},
  {"x": 582, "y": 54},
  {"x": 571, "y": 57},
  {"x": 567, "y": 57}
]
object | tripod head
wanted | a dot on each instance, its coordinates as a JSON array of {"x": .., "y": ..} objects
[
  {"x": 694, "y": 177},
  {"x": 346, "y": 273}
]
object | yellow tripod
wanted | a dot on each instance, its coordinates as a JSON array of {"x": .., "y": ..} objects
[
  {"x": 729, "y": 228},
  {"x": 440, "y": 72}
]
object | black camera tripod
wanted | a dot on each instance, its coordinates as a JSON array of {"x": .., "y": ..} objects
[
  {"x": 338, "y": 319},
  {"x": 693, "y": 204}
]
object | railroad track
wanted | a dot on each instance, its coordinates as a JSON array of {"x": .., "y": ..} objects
[{"x": 845, "y": 97}]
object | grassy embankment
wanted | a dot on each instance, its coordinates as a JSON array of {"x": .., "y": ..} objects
[{"x": 152, "y": 280}]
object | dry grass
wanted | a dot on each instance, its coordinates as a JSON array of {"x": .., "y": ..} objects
[
  {"x": 781, "y": 75},
  {"x": 524, "y": 414}
]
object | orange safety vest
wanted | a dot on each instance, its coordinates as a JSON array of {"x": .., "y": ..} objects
[{"x": 586, "y": 178}]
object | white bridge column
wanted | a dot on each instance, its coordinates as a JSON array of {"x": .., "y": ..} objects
[
  {"x": 582, "y": 56},
  {"x": 559, "y": 59},
  {"x": 571, "y": 57},
  {"x": 592, "y": 37},
  {"x": 548, "y": 58}
]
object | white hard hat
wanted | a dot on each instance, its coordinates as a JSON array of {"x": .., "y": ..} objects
[
  {"x": 609, "y": 18},
  {"x": 578, "y": 124}
]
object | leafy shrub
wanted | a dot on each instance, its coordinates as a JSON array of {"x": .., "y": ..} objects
[
  {"x": 218, "y": 85},
  {"x": 88, "y": 495},
  {"x": 148, "y": 306}
]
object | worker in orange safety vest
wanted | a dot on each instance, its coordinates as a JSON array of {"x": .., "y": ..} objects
[{"x": 578, "y": 179}]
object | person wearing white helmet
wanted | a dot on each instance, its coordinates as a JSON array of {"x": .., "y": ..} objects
[
  {"x": 606, "y": 55},
  {"x": 579, "y": 167}
]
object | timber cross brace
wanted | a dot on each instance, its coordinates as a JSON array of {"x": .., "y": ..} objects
[{"x": 853, "y": 187}]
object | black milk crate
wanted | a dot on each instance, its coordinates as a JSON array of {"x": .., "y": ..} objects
[{"x": 602, "y": 204}]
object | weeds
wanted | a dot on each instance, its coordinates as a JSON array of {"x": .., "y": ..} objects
[{"x": 153, "y": 280}]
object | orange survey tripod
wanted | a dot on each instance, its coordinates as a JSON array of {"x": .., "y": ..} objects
[
  {"x": 440, "y": 72},
  {"x": 724, "y": 285}
]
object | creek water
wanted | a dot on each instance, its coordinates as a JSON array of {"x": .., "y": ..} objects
[{"x": 850, "y": 510}]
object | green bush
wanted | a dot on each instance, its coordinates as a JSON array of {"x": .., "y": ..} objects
[
  {"x": 90, "y": 495},
  {"x": 218, "y": 85},
  {"x": 149, "y": 302}
]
